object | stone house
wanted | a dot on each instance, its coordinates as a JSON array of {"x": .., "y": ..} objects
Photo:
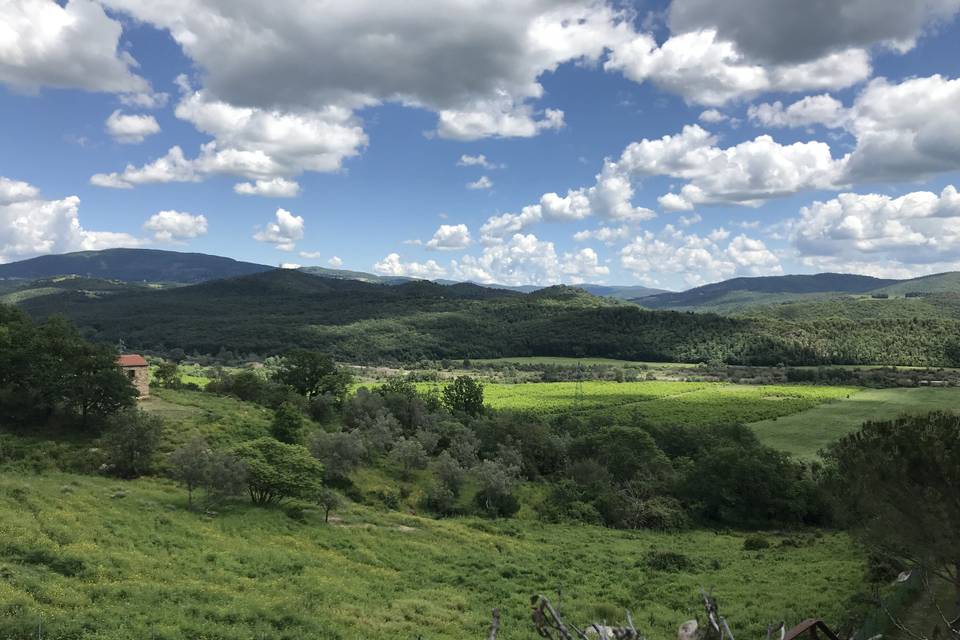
[{"x": 137, "y": 369}]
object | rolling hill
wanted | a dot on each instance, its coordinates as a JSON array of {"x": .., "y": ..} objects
[
  {"x": 271, "y": 312},
  {"x": 746, "y": 291},
  {"x": 132, "y": 265},
  {"x": 937, "y": 283}
]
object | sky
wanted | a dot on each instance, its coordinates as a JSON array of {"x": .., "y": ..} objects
[{"x": 666, "y": 144}]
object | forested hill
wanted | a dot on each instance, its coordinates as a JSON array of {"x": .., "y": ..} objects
[
  {"x": 791, "y": 285},
  {"x": 132, "y": 265},
  {"x": 271, "y": 312}
]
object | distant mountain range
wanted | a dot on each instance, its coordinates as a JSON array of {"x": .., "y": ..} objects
[
  {"x": 132, "y": 265},
  {"x": 172, "y": 267},
  {"x": 98, "y": 272}
]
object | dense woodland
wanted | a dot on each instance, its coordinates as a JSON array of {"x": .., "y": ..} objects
[{"x": 272, "y": 312}]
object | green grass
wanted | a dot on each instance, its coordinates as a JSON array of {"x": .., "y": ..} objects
[
  {"x": 222, "y": 420},
  {"x": 662, "y": 402},
  {"x": 805, "y": 433},
  {"x": 93, "y": 558}
]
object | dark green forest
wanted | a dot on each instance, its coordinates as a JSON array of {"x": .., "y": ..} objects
[{"x": 271, "y": 312}]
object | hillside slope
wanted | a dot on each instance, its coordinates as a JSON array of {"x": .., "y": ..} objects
[
  {"x": 132, "y": 265},
  {"x": 271, "y": 312},
  {"x": 937, "y": 283},
  {"x": 764, "y": 289}
]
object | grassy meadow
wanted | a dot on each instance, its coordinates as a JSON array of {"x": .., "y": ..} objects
[
  {"x": 806, "y": 432},
  {"x": 84, "y": 557}
]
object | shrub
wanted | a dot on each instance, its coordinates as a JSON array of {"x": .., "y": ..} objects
[
  {"x": 287, "y": 425},
  {"x": 130, "y": 441},
  {"x": 276, "y": 471},
  {"x": 755, "y": 543},
  {"x": 668, "y": 561}
]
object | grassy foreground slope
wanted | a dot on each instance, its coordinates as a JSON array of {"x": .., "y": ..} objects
[
  {"x": 92, "y": 558},
  {"x": 804, "y": 434}
]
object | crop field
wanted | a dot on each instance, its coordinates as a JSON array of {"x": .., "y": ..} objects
[
  {"x": 663, "y": 402},
  {"x": 805, "y": 433},
  {"x": 86, "y": 557}
]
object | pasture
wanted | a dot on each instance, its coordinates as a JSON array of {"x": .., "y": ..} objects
[
  {"x": 87, "y": 557},
  {"x": 806, "y": 432}
]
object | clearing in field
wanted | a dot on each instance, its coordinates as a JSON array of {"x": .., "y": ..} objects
[{"x": 803, "y": 434}]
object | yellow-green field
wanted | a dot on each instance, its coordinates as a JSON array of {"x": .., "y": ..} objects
[{"x": 804, "y": 433}]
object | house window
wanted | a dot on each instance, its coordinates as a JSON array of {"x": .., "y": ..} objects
[{"x": 131, "y": 374}]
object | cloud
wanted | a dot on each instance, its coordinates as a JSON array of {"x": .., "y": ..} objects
[
  {"x": 310, "y": 255},
  {"x": 31, "y": 225},
  {"x": 483, "y": 182},
  {"x": 335, "y": 262},
  {"x": 673, "y": 256},
  {"x": 789, "y": 32},
  {"x": 131, "y": 129},
  {"x": 712, "y": 116},
  {"x": 707, "y": 70},
  {"x": 289, "y": 265},
  {"x": 75, "y": 46},
  {"x": 872, "y": 233},
  {"x": 173, "y": 167},
  {"x": 822, "y": 109},
  {"x": 478, "y": 161},
  {"x": 175, "y": 226},
  {"x": 583, "y": 265},
  {"x": 525, "y": 259},
  {"x": 257, "y": 144},
  {"x": 606, "y": 235},
  {"x": 284, "y": 233},
  {"x": 748, "y": 173},
  {"x": 392, "y": 265},
  {"x": 610, "y": 199},
  {"x": 272, "y": 188},
  {"x": 905, "y": 131},
  {"x": 450, "y": 237},
  {"x": 476, "y": 65}
]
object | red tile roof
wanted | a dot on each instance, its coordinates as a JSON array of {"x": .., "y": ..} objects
[{"x": 131, "y": 360}]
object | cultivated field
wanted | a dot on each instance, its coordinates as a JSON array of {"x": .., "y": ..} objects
[{"x": 804, "y": 433}]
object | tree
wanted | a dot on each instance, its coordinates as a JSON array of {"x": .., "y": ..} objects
[
  {"x": 464, "y": 394},
  {"x": 408, "y": 454},
  {"x": 896, "y": 483},
  {"x": 495, "y": 496},
  {"x": 167, "y": 374},
  {"x": 130, "y": 441},
  {"x": 312, "y": 373},
  {"x": 287, "y": 425},
  {"x": 276, "y": 471},
  {"x": 340, "y": 453},
  {"x": 94, "y": 385},
  {"x": 328, "y": 500},
  {"x": 189, "y": 465}
]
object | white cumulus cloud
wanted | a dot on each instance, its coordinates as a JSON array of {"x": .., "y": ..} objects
[
  {"x": 31, "y": 225},
  {"x": 272, "y": 188},
  {"x": 175, "y": 226},
  {"x": 284, "y": 232},
  {"x": 392, "y": 265},
  {"x": 449, "y": 237},
  {"x": 131, "y": 129}
]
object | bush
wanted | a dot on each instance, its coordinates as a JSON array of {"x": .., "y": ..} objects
[
  {"x": 668, "y": 561},
  {"x": 755, "y": 543},
  {"x": 130, "y": 442},
  {"x": 287, "y": 425},
  {"x": 276, "y": 471}
]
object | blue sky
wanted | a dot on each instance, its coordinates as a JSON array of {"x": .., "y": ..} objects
[{"x": 646, "y": 143}]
